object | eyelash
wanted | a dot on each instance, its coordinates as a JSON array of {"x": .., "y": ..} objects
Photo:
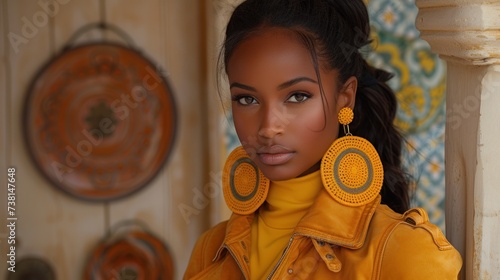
[
  {"x": 302, "y": 94},
  {"x": 238, "y": 98}
]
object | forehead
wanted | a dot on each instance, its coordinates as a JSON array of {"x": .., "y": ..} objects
[{"x": 271, "y": 49}]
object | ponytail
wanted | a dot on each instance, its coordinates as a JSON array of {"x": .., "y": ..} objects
[{"x": 375, "y": 111}]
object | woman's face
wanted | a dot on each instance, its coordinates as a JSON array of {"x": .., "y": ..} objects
[{"x": 279, "y": 113}]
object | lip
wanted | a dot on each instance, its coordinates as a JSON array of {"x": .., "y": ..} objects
[{"x": 274, "y": 155}]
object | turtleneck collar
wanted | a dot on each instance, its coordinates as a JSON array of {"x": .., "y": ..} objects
[{"x": 287, "y": 201}]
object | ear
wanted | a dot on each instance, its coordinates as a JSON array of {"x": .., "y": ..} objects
[{"x": 347, "y": 94}]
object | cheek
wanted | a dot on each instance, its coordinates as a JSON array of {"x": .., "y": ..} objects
[
  {"x": 242, "y": 126},
  {"x": 317, "y": 128},
  {"x": 317, "y": 120}
]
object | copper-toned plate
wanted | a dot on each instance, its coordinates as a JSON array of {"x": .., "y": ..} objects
[
  {"x": 100, "y": 121},
  {"x": 137, "y": 254}
]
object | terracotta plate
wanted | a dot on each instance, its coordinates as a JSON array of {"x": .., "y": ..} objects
[
  {"x": 135, "y": 254},
  {"x": 100, "y": 121}
]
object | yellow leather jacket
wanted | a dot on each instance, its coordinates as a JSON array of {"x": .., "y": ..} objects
[{"x": 333, "y": 241}]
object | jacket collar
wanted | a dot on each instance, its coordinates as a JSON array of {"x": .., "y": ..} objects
[
  {"x": 327, "y": 220},
  {"x": 238, "y": 229},
  {"x": 335, "y": 223}
]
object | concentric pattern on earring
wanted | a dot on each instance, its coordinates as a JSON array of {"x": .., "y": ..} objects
[
  {"x": 244, "y": 186},
  {"x": 351, "y": 171}
]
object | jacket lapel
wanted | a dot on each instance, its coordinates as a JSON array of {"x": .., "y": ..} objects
[
  {"x": 237, "y": 241},
  {"x": 335, "y": 223}
]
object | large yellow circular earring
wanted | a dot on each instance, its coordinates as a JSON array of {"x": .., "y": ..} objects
[
  {"x": 351, "y": 169},
  {"x": 244, "y": 186}
]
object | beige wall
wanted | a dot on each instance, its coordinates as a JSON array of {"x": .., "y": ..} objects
[{"x": 64, "y": 230}]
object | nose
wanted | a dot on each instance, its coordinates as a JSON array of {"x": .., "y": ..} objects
[{"x": 272, "y": 123}]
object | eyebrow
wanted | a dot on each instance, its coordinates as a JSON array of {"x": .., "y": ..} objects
[
  {"x": 295, "y": 81},
  {"x": 280, "y": 87},
  {"x": 242, "y": 86}
]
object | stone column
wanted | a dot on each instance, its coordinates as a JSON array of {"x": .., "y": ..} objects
[{"x": 467, "y": 35}]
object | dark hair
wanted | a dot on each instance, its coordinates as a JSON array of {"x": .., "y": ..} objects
[{"x": 334, "y": 31}]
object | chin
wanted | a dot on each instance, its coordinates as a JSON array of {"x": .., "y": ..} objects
[{"x": 279, "y": 173}]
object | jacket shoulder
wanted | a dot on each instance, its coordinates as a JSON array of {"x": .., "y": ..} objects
[
  {"x": 205, "y": 249},
  {"x": 414, "y": 248}
]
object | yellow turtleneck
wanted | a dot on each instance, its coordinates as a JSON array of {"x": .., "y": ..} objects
[{"x": 286, "y": 203}]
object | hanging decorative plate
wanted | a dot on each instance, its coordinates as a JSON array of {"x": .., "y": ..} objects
[
  {"x": 100, "y": 121},
  {"x": 130, "y": 253}
]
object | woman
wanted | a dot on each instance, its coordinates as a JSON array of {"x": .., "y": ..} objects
[{"x": 317, "y": 189}]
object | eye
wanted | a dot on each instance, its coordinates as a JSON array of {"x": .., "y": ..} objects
[
  {"x": 245, "y": 100},
  {"x": 298, "y": 97}
]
